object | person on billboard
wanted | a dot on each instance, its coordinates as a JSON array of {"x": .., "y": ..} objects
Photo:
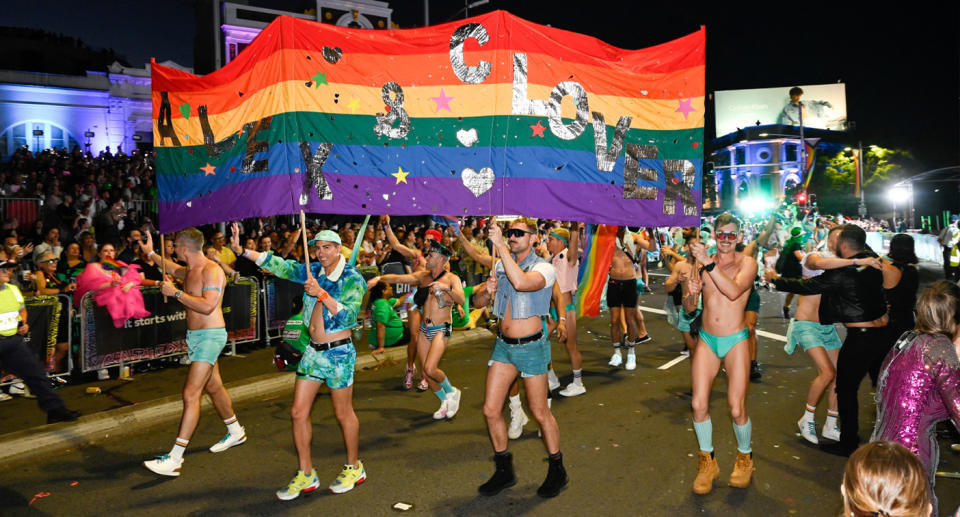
[{"x": 814, "y": 113}]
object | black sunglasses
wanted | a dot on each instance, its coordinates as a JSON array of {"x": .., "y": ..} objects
[{"x": 516, "y": 232}]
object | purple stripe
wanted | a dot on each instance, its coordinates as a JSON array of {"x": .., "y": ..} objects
[{"x": 363, "y": 195}]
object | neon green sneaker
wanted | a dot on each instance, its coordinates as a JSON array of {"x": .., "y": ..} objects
[
  {"x": 348, "y": 478},
  {"x": 300, "y": 483}
]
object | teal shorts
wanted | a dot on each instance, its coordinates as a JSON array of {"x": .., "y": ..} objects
[
  {"x": 721, "y": 345},
  {"x": 811, "y": 334},
  {"x": 684, "y": 319},
  {"x": 753, "y": 302},
  {"x": 530, "y": 359},
  {"x": 206, "y": 344},
  {"x": 334, "y": 366}
]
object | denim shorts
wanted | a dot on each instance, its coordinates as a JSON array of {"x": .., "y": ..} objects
[
  {"x": 335, "y": 366},
  {"x": 530, "y": 359},
  {"x": 206, "y": 344},
  {"x": 810, "y": 334}
]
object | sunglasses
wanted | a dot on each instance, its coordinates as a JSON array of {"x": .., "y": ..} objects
[
  {"x": 727, "y": 236},
  {"x": 516, "y": 233},
  {"x": 51, "y": 261}
]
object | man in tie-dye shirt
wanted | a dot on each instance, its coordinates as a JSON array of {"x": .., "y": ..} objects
[{"x": 333, "y": 292}]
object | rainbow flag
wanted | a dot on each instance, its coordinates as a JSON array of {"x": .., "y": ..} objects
[
  {"x": 598, "y": 246},
  {"x": 484, "y": 116}
]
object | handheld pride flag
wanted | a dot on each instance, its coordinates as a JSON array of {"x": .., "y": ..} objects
[{"x": 598, "y": 246}]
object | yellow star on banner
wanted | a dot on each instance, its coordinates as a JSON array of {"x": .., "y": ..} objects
[
  {"x": 208, "y": 170},
  {"x": 354, "y": 105},
  {"x": 400, "y": 175}
]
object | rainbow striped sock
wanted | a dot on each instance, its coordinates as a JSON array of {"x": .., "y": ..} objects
[
  {"x": 178, "y": 447},
  {"x": 233, "y": 426}
]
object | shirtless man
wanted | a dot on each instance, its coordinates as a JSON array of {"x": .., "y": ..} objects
[
  {"x": 521, "y": 290},
  {"x": 622, "y": 300},
  {"x": 678, "y": 283},
  {"x": 202, "y": 296},
  {"x": 418, "y": 261},
  {"x": 438, "y": 291},
  {"x": 333, "y": 291},
  {"x": 726, "y": 281}
]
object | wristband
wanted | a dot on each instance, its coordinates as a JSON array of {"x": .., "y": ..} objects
[
  {"x": 151, "y": 253},
  {"x": 178, "y": 295},
  {"x": 323, "y": 296}
]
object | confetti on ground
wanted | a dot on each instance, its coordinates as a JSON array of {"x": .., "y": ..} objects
[
  {"x": 615, "y": 445},
  {"x": 75, "y": 483},
  {"x": 38, "y": 495},
  {"x": 789, "y": 500},
  {"x": 796, "y": 457}
]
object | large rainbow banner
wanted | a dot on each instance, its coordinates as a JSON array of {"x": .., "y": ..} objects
[{"x": 485, "y": 116}]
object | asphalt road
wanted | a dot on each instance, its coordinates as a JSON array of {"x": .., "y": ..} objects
[{"x": 628, "y": 445}]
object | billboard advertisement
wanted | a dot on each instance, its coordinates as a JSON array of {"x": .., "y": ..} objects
[{"x": 824, "y": 106}]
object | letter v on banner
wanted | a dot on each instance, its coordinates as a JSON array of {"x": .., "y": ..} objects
[{"x": 607, "y": 157}]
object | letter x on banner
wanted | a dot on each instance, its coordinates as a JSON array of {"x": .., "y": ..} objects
[{"x": 490, "y": 115}]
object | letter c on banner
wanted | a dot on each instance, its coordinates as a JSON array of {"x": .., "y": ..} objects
[{"x": 468, "y": 74}]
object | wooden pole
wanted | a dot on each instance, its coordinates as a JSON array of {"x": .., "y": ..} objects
[
  {"x": 306, "y": 247},
  {"x": 163, "y": 265}
]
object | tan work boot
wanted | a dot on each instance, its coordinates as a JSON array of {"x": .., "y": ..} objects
[
  {"x": 707, "y": 472},
  {"x": 742, "y": 471}
]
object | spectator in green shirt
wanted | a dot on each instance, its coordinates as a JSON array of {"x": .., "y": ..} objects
[{"x": 389, "y": 329}]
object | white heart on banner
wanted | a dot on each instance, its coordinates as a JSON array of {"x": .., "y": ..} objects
[
  {"x": 467, "y": 137},
  {"x": 478, "y": 182}
]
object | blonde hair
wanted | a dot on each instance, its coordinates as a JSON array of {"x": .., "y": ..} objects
[
  {"x": 191, "y": 238},
  {"x": 937, "y": 309},
  {"x": 529, "y": 222},
  {"x": 563, "y": 233},
  {"x": 885, "y": 479}
]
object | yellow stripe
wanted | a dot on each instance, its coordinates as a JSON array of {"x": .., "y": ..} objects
[{"x": 467, "y": 101}]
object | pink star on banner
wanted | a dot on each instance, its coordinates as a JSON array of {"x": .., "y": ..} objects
[
  {"x": 685, "y": 108},
  {"x": 443, "y": 102}
]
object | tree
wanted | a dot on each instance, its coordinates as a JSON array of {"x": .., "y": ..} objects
[{"x": 834, "y": 177}]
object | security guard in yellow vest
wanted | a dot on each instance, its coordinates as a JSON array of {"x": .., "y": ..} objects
[{"x": 17, "y": 358}]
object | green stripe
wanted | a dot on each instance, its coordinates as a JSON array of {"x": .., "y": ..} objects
[{"x": 431, "y": 132}]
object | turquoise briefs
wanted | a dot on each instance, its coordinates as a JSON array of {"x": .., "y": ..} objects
[{"x": 722, "y": 344}]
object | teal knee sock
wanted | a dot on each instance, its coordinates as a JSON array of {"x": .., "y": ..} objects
[
  {"x": 446, "y": 386},
  {"x": 442, "y": 395},
  {"x": 704, "y": 432},
  {"x": 743, "y": 433}
]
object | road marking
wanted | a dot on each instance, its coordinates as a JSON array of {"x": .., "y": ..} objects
[
  {"x": 650, "y": 309},
  {"x": 771, "y": 335},
  {"x": 672, "y": 362}
]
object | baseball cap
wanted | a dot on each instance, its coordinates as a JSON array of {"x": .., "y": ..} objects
[{"x": 325, "y": 235}]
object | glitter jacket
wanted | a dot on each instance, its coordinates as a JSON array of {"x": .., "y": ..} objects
[
  {"x": 346, "y": 285},
  {"x": 919, "y": 386}
]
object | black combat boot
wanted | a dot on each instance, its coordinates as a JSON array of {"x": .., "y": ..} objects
[
  {"x": 503, "y": 477},
  {"x": 556, "y": 477}
]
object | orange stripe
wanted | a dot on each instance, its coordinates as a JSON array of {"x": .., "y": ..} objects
[{"x": 374, "y": 71}]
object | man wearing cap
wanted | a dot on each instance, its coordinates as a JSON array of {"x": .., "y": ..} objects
[
  {"x": 333, "y": 292},
  {"x": 17, "y": 358},
  {"x": 949, "y": 237},
  {"x": 521, "y": 291},
  {"x": 438, "y": 290}
]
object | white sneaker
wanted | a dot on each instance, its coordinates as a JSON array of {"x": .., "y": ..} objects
[
  {"x": 518, "y": 419},
  {"x": 616, "y": 359},
  {"x": 442, "y": 412},
  {"x": 808, "y": 429},
  {"x": 4, "y": 397},
  {"x": 103, "y": 374},
  {"x": 573, "y": 389},
  {"x": 453, "y": 403},
  {"x": 831, "y": 433},
  {"x": 165, "y": 465},
  {"x": 20, "y": 389},
  {"x": 229, "y": 440},
  {"x": 631, "y": 362},
  {"x": 552, "y": 381}
]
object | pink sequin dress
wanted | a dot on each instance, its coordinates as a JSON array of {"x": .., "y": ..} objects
[
  {"x": 121, "y": 305},
  {"x": 919, "y": 386}
]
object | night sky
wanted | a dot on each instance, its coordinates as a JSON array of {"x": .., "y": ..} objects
[{"x": 901, "y": 67}]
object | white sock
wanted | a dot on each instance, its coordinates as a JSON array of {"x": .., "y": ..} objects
[
  {"x": 515, "y": 400},
  {"x": 178, "y": 447},
  {"x": 233, "y": 426}
]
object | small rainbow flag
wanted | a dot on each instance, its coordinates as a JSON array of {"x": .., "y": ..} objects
[{"x": 598, "y": 249}]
